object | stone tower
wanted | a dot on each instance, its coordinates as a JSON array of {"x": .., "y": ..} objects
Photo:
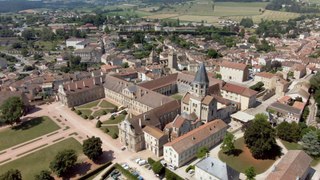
[
  {"x": 172, "y": 60},
  {"x": 153, "y": 57},
  {"x": 200, "y": 83}
]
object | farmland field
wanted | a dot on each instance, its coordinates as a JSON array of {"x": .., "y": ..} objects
[{"x": 203, "y": 10}]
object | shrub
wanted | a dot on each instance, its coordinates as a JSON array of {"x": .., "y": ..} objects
[
  {"x": 157, "y": 167},
  {"x": 172, "y": 176},
  {"x": 189, "y": 168},
  {"x": 91, "y": 117},
  {"x": 124, "y": 112},
  {"x": 151, "y": 161},
  {"x": 98, "y": 125},
  {"x": 85, "y": 116},
  {"x": 106, "y": 130},
  {"x": 73, "y": 109},
  {"x": 115, "y": 109},
  {"x": 112, "y": 117},
  {"x": 104, "y": 112},
  {"x": 78, "y": 112},
  {"x": 114, "y": 136}
]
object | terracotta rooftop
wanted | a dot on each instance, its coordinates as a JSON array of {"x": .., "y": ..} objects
[
  {"x": 293, "y": 165},
  {"x": 265, "y": 75},
  {"x": 197, "y": 135},
  {"x": 153, "y": 131},
  {"x": 233, "y": 65},
  {"x": 244, "y": 91},
  {"x": 298, "y": 105}
]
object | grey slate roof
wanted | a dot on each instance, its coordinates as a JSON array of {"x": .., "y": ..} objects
[
  {"x": 217, "y": 168},
  {"x": 201, "y": 75}
]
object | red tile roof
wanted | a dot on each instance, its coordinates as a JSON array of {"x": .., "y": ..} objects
[{"x": 247, "y": 92}]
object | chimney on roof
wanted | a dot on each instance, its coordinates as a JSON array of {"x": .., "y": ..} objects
[
  {"x": 140, "y": 122},
  {"x": 84, "y": 84},
  {"x": 101, "y": 80},
  {"x": 94, "y": 81},
  {"x": 69, "y": 89},
  {"x": 193, "y": 138},
  {"x": 76, "y": 85},
  {"x": 212, "y": 164}
]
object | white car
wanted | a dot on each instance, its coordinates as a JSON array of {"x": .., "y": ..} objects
[
  {"x": 142, "y": 162},
  {"x": 125, "y": 166},
  {"x": 171, "y": 167},
  {"x": 191, "y": 171},
  {"x": 137, "y": 160}
]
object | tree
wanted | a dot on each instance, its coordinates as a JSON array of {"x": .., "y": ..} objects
[
  {"x": 258, "y": 86},
  {"x": 246, "y": 22},
  {"x": 157, "y": 167},
  {"x": 311, "y": 144},
  {"x": 260, "y": 138},
  {"x": 11, "y": 110},
  {"x": 250, "y": 173},
  {"x": 212, "y": 53},
  {"x": 125, "y": 65},
  {"x": 63, "y": 161},
  {"x": 98, "y": 125},
  {"x": 24, "y": 52},
  {"x": 92, "y": 147},
  {"x": 202, "y": 151},
  {"x": 288, "y": 131},
  {"x": 227, "y": 145},
  {"x": 44, "y": 175},
  {"x": 12, "y": 174}
]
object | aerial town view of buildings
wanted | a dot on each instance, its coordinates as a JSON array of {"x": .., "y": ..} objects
[{"x": 160, "y": 89}]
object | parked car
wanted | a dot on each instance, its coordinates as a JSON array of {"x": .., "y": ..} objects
[
  {"x": 171, "y": 167},
  {"x": 142, "y": 162},
  {"x": 123, "y": 148},
  {"x": 137, "y": 160},
  {"x": 125, "y": 166},
  {"x": 191, "y": 171}
]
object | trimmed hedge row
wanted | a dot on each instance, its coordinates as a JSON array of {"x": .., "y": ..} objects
[
  {"x": 125, "y": 172},
  {"x": 95, "y": 171}
]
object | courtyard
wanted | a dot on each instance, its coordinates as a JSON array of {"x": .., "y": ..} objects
[
  {"x": 95, "y": 108},
  {"x": 244, "y": 159},
  {"x": 26, "y": 131}
]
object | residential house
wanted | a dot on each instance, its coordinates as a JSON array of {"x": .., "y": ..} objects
[
  {"x": 231, "y": 71},
  {"x": 154, "y": 140}
]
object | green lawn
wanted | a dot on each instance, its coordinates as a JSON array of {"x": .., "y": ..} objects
[
  {"x": 245, "y": 159},
  {"x": 86, "y": 112},
  {"x": 32, "y": 164},
  {"x": 291, "y": 146},
  {"x": 100, "y": 112},
  {"x": 117, "y": 120},
  {"x": 89, "y": 105},
  {"x": 106, "y": 104},
  {"x": 112, "y": 130},
  {"x": 177, "y": 96},
  {"x": 26, "y": 131}
]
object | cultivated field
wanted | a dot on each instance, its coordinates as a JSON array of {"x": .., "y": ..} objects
[{"x": 208, "y": 12}]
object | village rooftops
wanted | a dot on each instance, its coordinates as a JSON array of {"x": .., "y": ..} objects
[
  {"x": 243, "y": 91},
  {"x": 265, "y": 75},
  {"x": 233, "y": 65},
  {"x": 197, "y": 135}
]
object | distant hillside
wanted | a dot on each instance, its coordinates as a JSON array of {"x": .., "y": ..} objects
[{"x": 241, "y": 0}]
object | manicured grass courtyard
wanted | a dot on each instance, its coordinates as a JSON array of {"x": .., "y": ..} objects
[
  {"x": 112, "y": 130},
  {"x": 106, "y": 104},
  {"x": 86, "y": 112},
  {"x": 26, "y": 131},
  {"x": 117, "y": 120},
  {"x": 89, "y": 105},
  {"x": 245, "y": 159},
  {"x": 32, "y": 164},
  {"x": 177, "y": 96}
]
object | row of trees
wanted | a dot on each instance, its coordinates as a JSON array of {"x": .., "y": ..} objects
[{"x": 63, "y": 161}]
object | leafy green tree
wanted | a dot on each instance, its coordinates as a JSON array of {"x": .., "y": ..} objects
[
  {"x": 253, "y": 39},
  {"x": 157, "y": 167},
  {"x": 44, "y": 175},
  {"x": 227, "y": 145},
  {"x": 63, "y": 161},
  {"x": 12, "y": 174},
  {"x": 24, "y": 52},
  {"x": 311, "y": 144},
  {"x": 288, "y": 131},
  {"x": 202, "y": 151},
  {"x": 250, "y": 173},
  {"x": 246, "y": 22},
  {"x": 92, "y": 147},
  {"x": 260, "y": 138},
  {"x": 11, "y": 110},
  {"x": 212, "y": 53},
  {"x": 98, "y": 125},
  {"x": 125, "y": 65}
]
